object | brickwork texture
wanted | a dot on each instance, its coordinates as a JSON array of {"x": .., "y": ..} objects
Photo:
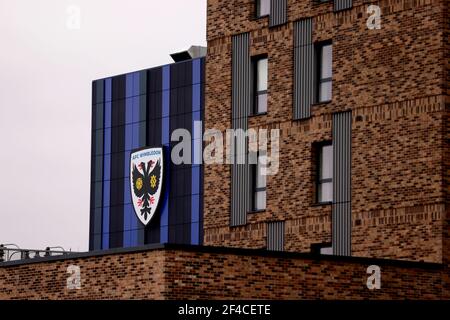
[
  {"x": 396, "y": 82},
  {"x": 215, "y": 273}
]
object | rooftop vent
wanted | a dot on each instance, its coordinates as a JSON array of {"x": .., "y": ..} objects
[{"x": 192, "y": 53}]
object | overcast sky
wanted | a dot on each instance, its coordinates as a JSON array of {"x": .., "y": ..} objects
[{"x": 46, "y": 68}]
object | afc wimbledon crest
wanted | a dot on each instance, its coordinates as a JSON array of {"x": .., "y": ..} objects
[{"x": 146, "y": 174}]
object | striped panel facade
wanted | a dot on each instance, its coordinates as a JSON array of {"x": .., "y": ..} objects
[
  {"x": 303, "y": 68},
  {"x": 136, "y": 110},
  {"x": 342, "y": 158},
  {"x": 241, "y": 104},
  {"x": 275, "y": 236},
  {"x": 278, "y": 12},
  {"x": 342, "y": 5}
]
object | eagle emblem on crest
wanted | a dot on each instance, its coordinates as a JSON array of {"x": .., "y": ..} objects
[{"x": 146, "y": 173}]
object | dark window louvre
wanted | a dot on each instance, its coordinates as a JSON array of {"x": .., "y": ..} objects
[
  {"x": 241, "y": 104},
  {"x": 278, "y": 12},
  {"x": 342, "y": 5},
  {"x": 303, "y": 68},
  {"x": 275, "y": 236},
  {"x": 342, "y": 211}
]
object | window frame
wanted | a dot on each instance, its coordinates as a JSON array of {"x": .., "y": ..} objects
[
  {"x": 255, "y": 93},
  {"x": 258, "y": 10},
  {"x": 255, "y": 190},
  {"x": 318, "y": 73},
  {"x": 319, "y": 182}
]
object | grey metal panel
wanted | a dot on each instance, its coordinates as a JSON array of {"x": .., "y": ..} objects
[
  {"x": 278, "y": 12},
  {"x": 241, "y": 103},
  {"x": 275, "y": 236},
  {"x": 342, "y": 5},
  {"x": 342, "y": 158},
  {"x": 303, "y": 68}
]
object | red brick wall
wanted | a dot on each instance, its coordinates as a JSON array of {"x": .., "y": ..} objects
[
  {"x": 216, "y": 273},
  {"x": 392, "y": 79},
  {"x": 124, "y": 276}
]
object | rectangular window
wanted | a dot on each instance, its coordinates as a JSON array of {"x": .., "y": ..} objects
[
  {"x": 259, "y": 185},
  {"x": 260, "y": 84},
  {"x": 262, "y": 8},
  {"x": 322, "y": 248},
  {"x": 324, "y": 71},
  {"x": 325, "y": 174}
]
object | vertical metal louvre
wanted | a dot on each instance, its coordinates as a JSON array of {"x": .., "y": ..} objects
[
  {"x": 303, "y": 68},
  {"x": 342, "y": 5},
  {"x": 241, "y": 103},
  {"x": 278, "y": 12},
  {"x": 275, "y": 236},
  {"x": 342, "y": 211}
]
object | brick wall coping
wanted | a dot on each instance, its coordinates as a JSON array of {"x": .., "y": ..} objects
[{"x": 228, "y": 250}]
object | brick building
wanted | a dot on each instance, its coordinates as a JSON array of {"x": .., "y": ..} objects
[
  {"x": 363, "y": 178},
  {"x": 379, "y": 96}
]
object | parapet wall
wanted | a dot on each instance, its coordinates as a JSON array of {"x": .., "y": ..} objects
[{"x": 189, "y": 272}]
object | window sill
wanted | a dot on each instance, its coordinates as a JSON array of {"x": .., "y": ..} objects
[
  {"x": 256, "y": 211},
  {"x": 257, "y": 114},
  {"x": 322, "y": 204},
  {"x": 316, "y": 104},
  {"x": 319, "y": 2}
]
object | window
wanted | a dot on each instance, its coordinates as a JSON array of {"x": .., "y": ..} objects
[
  {"x": 328, "y": 251},
  {"x": 322, "y": 248},
  {"x": 259, "y": 185},
  {"x": 325, "y": 71},
  {"x": 325, "y": 174},
  {"x": 260, "y": 84},
  {"x": 262, "y": 8}
]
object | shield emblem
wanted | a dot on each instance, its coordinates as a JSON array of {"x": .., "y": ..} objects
[{"x": 146, "y": 175}]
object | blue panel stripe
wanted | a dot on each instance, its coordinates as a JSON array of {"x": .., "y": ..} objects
[
  {"x": 136, "y": 83},
  {"x": 106, "y": 166},
  {"x": 135, "y": 143},
  {"x": 165, "y": 137},
  {"x": 196, "y": 147},
  {"x": 108, "y": 90},
  {"x": 128, "y": 144},
  {"x": 129, "y": 86},
  {"x": 196, "y": 71}
]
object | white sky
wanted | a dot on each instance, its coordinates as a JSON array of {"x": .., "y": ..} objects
[{"x": 46, "y": 71}]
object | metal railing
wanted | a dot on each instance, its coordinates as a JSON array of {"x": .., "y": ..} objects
[{"x": 11, "y": 252}]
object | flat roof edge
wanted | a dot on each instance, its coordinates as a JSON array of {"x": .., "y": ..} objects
[{"x": 228, "y": 250}]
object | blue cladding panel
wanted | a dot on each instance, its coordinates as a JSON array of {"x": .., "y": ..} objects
[
  {"x": 135, "y": 143},
  {"x": 136, "y": 83},
  {"x": 129, "y": 86},
  {"x": 140, "y": 109},
  {"x": 136, "y": 110},
  {"x": 108, "y": 115},
  {"x": 127, "y": 212},
  {"x": 108, "y": 90},
  {"x": 166, "y": 78},
  {"x": 165, "y": 140},
  {"x": 196, "y": 145},
  {"x": 105, "y": 240},
  {"x": 126, "y": 188},
  {"x": 165, "y": 120},
  {"x": 107, "y": 166}
]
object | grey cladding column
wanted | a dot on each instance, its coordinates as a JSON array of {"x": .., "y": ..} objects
[
  {"x": 303, "y": 68},
  {"x": 342, "y": 183},
  {"x": 278, "y": 12},
  {"x": 275, "y": 236},
  {"x": 342, "y": 5},
  {"x": 241, "y": 103}
]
